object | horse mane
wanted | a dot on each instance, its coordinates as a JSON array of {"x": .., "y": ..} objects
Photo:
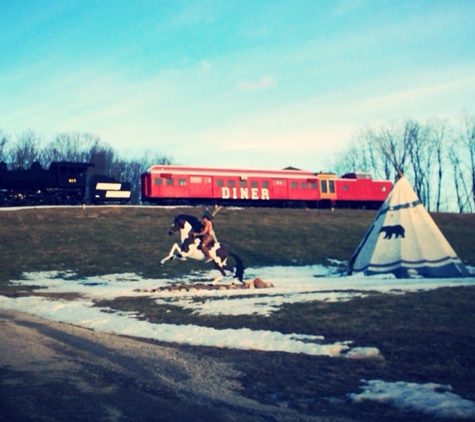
[{"x": 192, "y": 220}]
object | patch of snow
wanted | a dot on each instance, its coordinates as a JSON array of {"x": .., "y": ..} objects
[
  {"x": 431, "y": 399},
  {"x": 82, "y": 313}
]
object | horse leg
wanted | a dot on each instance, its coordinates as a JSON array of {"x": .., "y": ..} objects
[
  {"x": 221, "y": 275},
  {"x": 231, "y": 269},
  {"x": 239, "y": 274},
  {"x": 174, "y": 253},
  {"x": 238, "y": 271},
  {"x": 217, "y": 279}
]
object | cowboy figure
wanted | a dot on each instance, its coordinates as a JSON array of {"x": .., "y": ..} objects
[{"x": 207, "y": 235}]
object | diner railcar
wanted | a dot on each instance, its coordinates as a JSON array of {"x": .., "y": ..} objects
[{"x": 186, "y": 185}]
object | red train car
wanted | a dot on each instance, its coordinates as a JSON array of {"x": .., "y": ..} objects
[{"x": 184, "y": 185}]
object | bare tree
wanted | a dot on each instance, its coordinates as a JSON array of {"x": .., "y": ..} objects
[
  {"x": 4, "y": 140},
  {"x": 437, "y": 129},
  {"x": 72, "y": 146},
  {"x": 26, "y": 150},
  {"x": 380, "y": 165},
  {"x": 364, "y": 154},
  {"x": 395, "y": 144},
  {"x": 416, "y": 152},
  {"x": 102, "y": 156},
  {"x": 347, "y": 161},
  {"x": 460, "y": 185},
  {"x": 467, "y": 138},
  {"x": 425, "y": 149},
  {"x": 371, "y": 160},
  {"x": 130, "y": 170},
  {"x": 423, "y": 152}
]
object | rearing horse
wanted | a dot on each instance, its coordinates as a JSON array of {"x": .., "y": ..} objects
[{"x": 189, "y": 247}]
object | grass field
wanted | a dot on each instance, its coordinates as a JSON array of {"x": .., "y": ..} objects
[
  {"x": 423, "y": 336},
  {"x": 106, "y": 240}
]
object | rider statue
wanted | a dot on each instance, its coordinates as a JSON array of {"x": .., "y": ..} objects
[{"x": 207, "y": 235}]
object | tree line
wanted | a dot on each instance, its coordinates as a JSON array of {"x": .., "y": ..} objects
[
  {"x": 437, "y": 157},
  {"x": 22, "y": 150}
]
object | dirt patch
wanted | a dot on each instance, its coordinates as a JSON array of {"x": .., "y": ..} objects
[{"x": 257, "y": 283}]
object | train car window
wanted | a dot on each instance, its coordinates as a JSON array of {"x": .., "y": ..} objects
[
  {"x": 265, "y": 184},
  {"x": 157, "y": 181},
  {"x": 279, "y": 182},
  {"x": 332, "y": 186},
  {"x": 181, "y": 182},
  {"x": 231, "y": 183},
  {"x": 304, "y": 185},
  {"x": 323, "y": 184},
  {"x": 219, "y": 182},
  {"x": 383, "y": 188},
  {"x": 345, "y": 187},
  {"x": 196, "y": 179},
  {"x": 294, "y": 185},
  {"x": 243, "y": 183},
  {"x": 313, "y": 185},
  {"x": 169, "y": 182},
  {"x": 254, "y": 184}
]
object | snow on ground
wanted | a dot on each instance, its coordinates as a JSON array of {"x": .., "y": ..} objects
[
  {"x": 432, "y": 399},
  {"x": 291, "y": 285}
]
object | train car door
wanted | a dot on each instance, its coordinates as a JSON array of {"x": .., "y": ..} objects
[
  {"x": 327, "y": 191},
  {"x": 279, "y": 189}
]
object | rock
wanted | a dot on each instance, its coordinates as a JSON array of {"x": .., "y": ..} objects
[{"x": 259, "y": 284}]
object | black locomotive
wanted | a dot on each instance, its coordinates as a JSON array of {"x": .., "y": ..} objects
[{"x": 63, "y": 183}]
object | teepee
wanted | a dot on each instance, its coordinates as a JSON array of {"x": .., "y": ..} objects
[{"x": 404, "y": 240}]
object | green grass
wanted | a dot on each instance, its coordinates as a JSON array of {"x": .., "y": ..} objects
[
  {"x": 423, "y": 336},
  {"x": 109, "y": 240}
]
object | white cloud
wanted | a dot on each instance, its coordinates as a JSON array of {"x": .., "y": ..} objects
[
  {"x": 265, "y": 82},
  {"x": 205, "y": 64}
]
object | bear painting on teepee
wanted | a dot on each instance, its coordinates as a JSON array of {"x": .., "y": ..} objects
[{"x": 405, "y": 241}]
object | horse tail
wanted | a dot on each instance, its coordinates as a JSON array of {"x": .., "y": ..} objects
[{"x": 239, "y": 267}]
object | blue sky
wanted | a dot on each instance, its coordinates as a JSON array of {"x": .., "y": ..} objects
[{"x": 245, "y": 83}]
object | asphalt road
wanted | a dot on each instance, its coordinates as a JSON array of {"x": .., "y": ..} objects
[{"x": 58, "y": 372}]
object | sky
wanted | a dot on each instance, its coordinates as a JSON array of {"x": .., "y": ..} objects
[
  {"x": 237, "y": 83},
  {"x": 291, "y": 285}
]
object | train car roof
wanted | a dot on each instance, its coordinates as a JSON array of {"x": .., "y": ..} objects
[{"x": 240, "y": 172}]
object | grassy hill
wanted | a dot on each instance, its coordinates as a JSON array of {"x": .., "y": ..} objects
[{"x": 105, "y": 240}]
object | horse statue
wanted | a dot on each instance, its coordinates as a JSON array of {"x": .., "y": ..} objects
[{"x": 189, "y": 247}]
